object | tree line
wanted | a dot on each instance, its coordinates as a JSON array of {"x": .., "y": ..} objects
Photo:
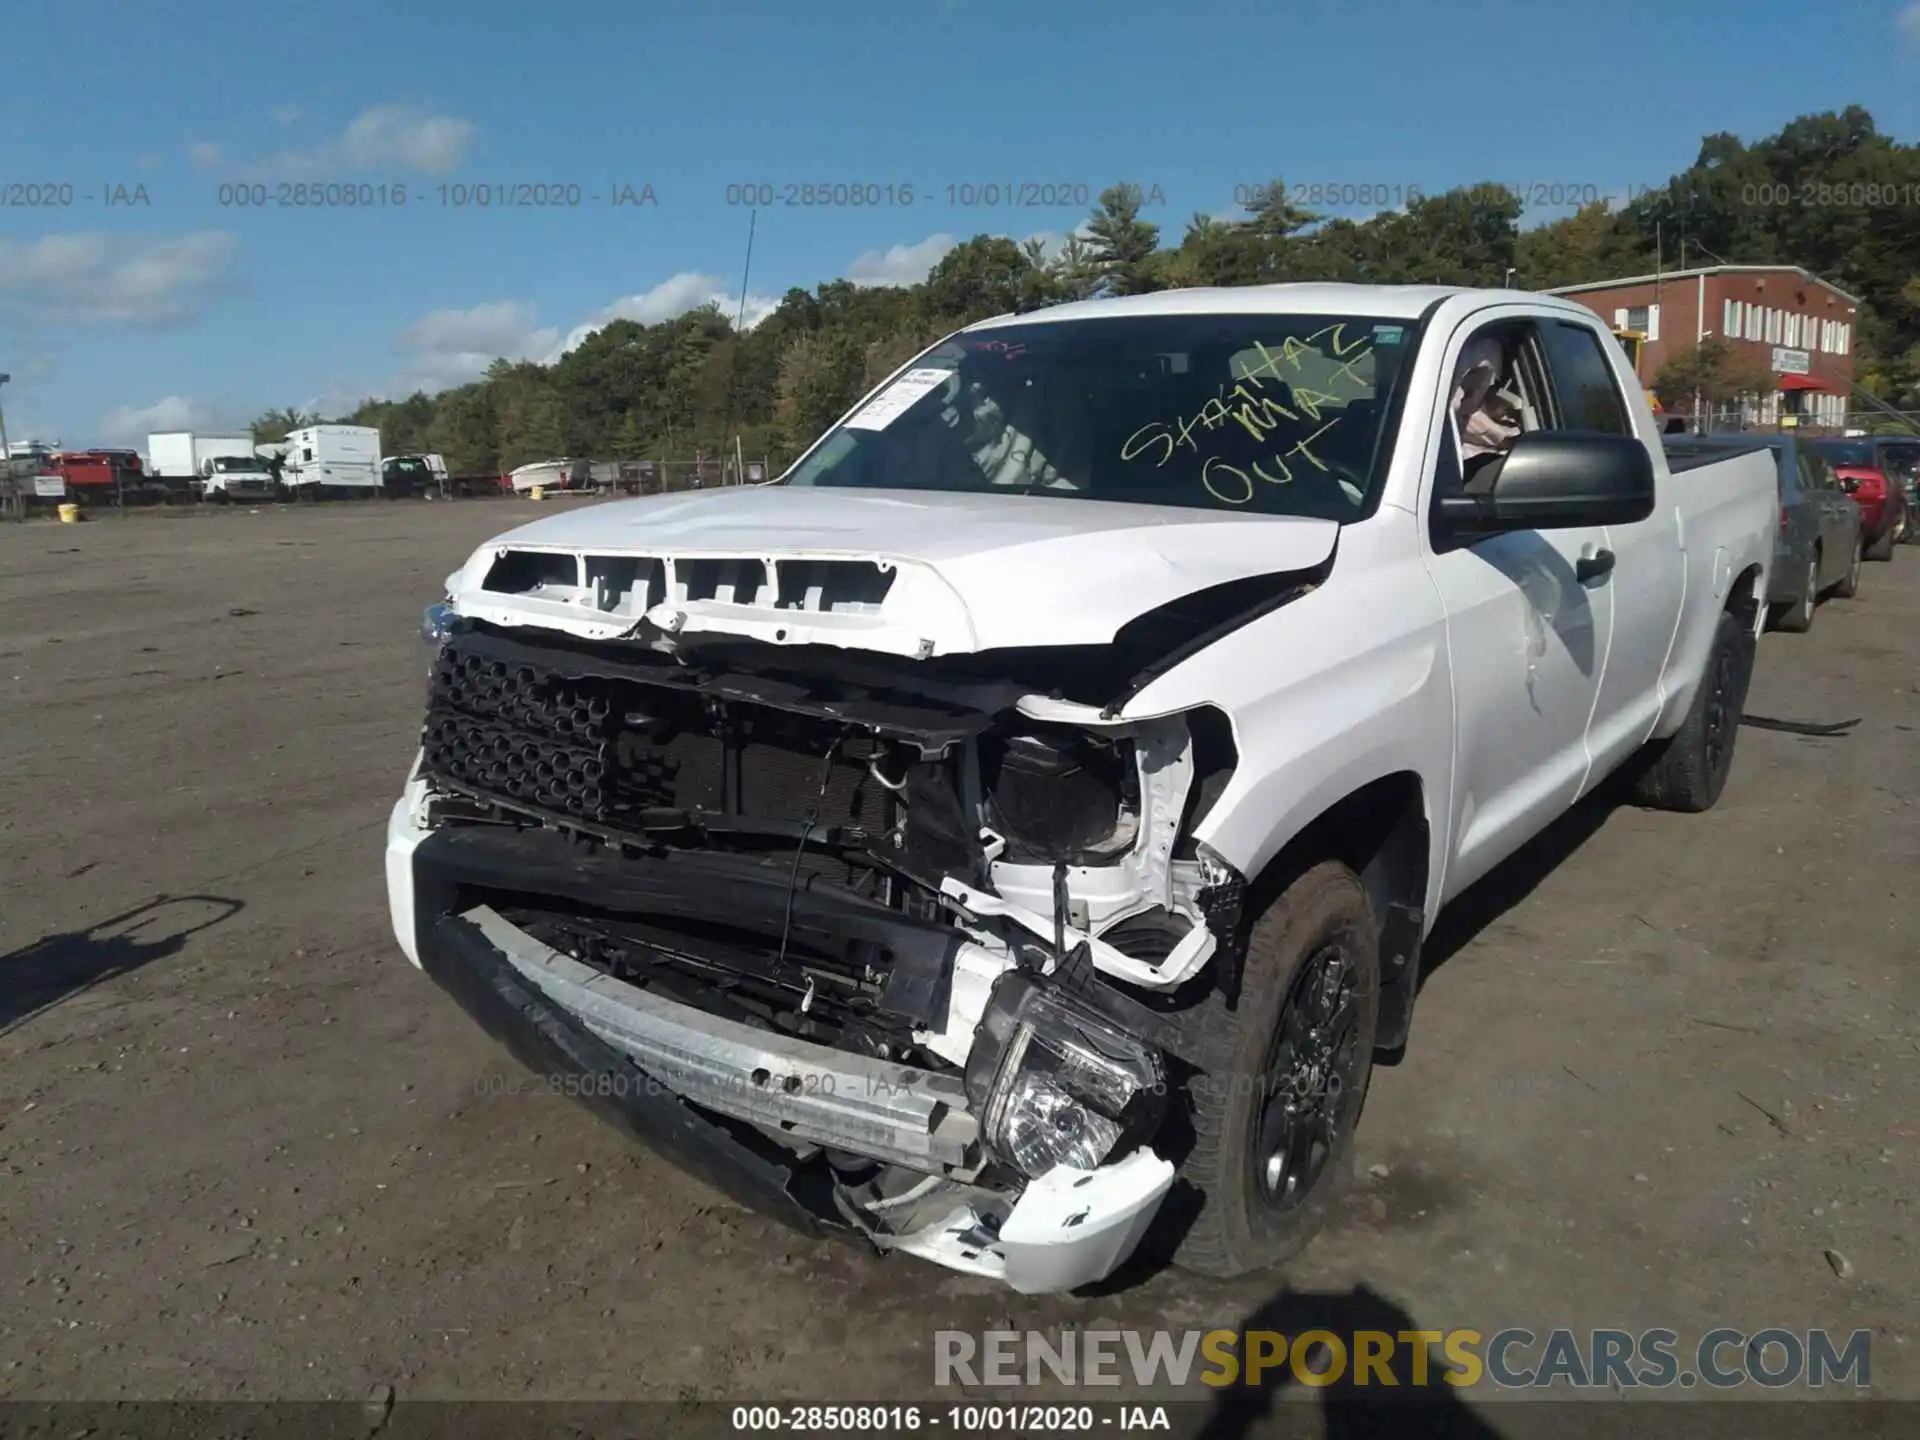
[{"x": 1829, "y": 193}]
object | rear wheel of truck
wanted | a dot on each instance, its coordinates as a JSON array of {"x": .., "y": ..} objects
[
  {"x": 1797, "y": 618},
  {"x": 1688, "y": 771},
  {"x": 1849, "y": 586},
  {"x": 1273, "y": 1133}
]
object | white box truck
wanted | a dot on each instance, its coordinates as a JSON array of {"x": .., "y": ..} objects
[
  {"x": 183, "y": 455},
  {"x": 221, "y": 466},
  {"x": 333, "y": 460}
]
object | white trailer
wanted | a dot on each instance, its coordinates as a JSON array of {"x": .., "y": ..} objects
[{"x": 333, "y": 460}]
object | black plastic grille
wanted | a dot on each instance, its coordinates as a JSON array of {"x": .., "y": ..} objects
[
  {"x": 521, "y": 733},
  {"x": 606, "y": 749}
]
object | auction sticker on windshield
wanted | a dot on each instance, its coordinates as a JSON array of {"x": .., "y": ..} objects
[{"x": 894, "y": 401}]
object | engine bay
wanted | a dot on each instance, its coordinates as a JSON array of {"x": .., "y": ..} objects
[{"x": 915, "y": 800}]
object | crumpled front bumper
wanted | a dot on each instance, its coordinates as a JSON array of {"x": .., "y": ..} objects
[{"x": 709, "y": 1095}]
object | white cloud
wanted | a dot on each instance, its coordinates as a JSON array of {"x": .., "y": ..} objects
[
  {"x": 451, "y": 347},
  {"x": 205, "y": 155},
  {"x": 502, "y": 327},
  {"x": 131, "y": 424},
  {"x": 382, "y": 138},
  {"x": 671, "y": 298},
  {"x": 1052, "y": 242},
  {"x": 911, "y": 264},
  {"x": 394, "y": 135},
  {"x": 90, "y": 279},
  {"x": 901, "y": 264},
  {"x": 1908, "y": 21}
]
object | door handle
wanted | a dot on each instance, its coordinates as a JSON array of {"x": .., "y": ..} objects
[{"x": 1592, "y": 567}]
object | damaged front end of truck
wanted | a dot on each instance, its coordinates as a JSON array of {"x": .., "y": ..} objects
[{"x": 887, "y": 944}]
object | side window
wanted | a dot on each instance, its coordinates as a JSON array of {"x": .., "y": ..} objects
[
  {"x": 1493, "y": 399},
  {"x": 1582, "y": 383},
  {"x": 1811, "y": 477}
]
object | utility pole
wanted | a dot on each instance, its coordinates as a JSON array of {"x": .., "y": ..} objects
[
  {"x": 733, "y": 359},
  {"x": 6, "y": 459}
]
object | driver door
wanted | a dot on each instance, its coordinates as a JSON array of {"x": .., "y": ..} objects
[{"x": 1527, "y": 639}]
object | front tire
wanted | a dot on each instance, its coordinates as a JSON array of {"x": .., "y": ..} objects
[
  {"x": 1273, "y": 1131},
  {"x": 1688, "y": 771},
  {"x": 1882, "y": 549}
]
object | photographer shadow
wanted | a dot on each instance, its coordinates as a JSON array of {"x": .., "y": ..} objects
[
  {"x": 55, "y": 968},
  {"x": 1349, "y": 1410}
]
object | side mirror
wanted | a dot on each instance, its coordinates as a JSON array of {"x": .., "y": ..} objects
[
  {"x": 1850, "y": 484},
  {"x": 1559, "y": 480}
]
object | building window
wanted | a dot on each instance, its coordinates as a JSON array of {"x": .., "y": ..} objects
[
  {"x": 1793, "y": 331},
  {"x": 1636, "y": 319},
  {"x": 1730, "y": 319}
]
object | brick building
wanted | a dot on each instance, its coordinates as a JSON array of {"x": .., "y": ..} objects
[{"x": 1796, "y": 325}]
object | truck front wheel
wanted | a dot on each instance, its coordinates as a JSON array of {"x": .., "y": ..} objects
[{"x": 1273, "y": 1129}]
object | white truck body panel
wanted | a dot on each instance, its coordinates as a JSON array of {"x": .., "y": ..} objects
[
  {"x": 1507, "y": 676},
  {"x": 183, "y": 454},
  {"x": 333, "y": 457}
]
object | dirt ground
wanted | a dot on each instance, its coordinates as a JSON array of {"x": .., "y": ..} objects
[{"x": 1662, "y": 1065}]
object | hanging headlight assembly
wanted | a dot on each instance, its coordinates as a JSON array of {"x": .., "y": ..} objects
[{"x": 1056, "y": 1084}]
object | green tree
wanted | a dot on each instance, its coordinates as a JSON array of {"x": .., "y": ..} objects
[
  {"x": 820, "y": 378},
  {"x": 1714, "y": 371},
  {"x": 1075, "y": 273},
  {"x": 462, "y": 430},
  {"x": 1590, "y": 244},
  {"x": 276, "y": 425},
  {"x": 977, "y": 278},
  {"x": 1124, "y": 246}
]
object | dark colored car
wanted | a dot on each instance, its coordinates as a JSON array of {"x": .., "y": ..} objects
[
  {"x": 1871, "y": 469},
  {"x": 1820, "y": 541},
  {"x": 1900, "y": 460}
]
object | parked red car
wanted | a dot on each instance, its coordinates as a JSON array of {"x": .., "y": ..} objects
[{"x": 1882, "y": 501}]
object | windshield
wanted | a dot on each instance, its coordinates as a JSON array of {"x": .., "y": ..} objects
[
  {"x": 1846, "y": 452},
  {"x": 1901, "y": 460},
  {"x": 1270, "y": 414},
  {"x": 407, "y": 466},
  {"x": 228, "y": 464}
]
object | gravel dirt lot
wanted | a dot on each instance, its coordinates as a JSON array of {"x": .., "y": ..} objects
[{"x": 1661, "y": 1066}]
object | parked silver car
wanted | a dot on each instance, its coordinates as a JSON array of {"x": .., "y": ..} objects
[{"x": 1819, "y": 545}]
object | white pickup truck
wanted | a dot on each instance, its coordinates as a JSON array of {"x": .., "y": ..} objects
[{"x": 1016, "y": 827}]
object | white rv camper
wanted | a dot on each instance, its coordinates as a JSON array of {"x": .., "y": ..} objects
[{"x": 332, "y": 460}]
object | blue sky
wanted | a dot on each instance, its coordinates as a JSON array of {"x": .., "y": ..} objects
[{"x": 186, "y": 311}]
